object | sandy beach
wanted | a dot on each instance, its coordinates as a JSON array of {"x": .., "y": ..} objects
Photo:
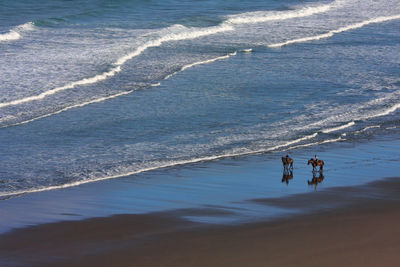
[{"x": 363, "y": 232}]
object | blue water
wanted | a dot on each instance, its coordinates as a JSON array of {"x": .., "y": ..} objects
[{"x": 94, "y": 90}]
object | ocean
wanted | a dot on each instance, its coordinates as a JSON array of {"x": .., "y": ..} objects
[{"x": 98, "y": 90}]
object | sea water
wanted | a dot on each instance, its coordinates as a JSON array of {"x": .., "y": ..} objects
[{"x": 96, "y": 90}]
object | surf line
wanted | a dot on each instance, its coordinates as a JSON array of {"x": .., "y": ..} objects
[
  {"x": 333, "y": 32},
  {"x": 169, "y": 164}
]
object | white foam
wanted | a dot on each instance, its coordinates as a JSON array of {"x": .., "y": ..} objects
[
  {"x": 209, "y": 61},
  {"x": 29, "y": 26},
  {"x": 94, "y": 79},
  {"x": 15, "y": 33},
  {"x": 10, "y": 36},
  {"x": 262, "y": 16},
  {"x": 370, "y": 127},
  {"x": 339, "y": 127},
  {"x": 319, "y": 143},
  {"x": 293, "y": 142},
  {"x": 185, "y": 34},
  {"x": 384, "y": 112},
  {"x": 340, "y": 30},
  {"x": 101, "y": 99},
  {"x": 201, "y": 63}
]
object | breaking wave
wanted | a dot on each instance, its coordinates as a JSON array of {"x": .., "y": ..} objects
[{"x": 16, "y": 32}]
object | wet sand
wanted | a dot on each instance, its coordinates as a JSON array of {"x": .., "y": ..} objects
[{"x": 361, "y": 231}]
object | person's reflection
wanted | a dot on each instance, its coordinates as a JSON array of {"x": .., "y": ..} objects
[
  {"x": 287, "y": 175},
  {"x": 316, "y": 180}
]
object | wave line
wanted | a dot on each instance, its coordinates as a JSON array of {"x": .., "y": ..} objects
[
  {"x": 339, "y": 127},
  {"x": 200, "y": 63},
  {"x": 333, "y": 32},
  {"x": 384, "y": 112},
  {"x": 293, "y": 142},
  {"x": 85, "y": 81},
  {"x": 258, "y": 17},
  {"x": 70, "y": 107}
]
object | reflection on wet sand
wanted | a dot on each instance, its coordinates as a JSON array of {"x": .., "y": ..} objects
[
  {"x": 316, "y": 179},
  {"x": 287, "y": 175}
]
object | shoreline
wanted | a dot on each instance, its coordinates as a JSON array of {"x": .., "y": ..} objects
[
  {"x": 223, "y": 190},
  {"x": 362, "y": 231}
]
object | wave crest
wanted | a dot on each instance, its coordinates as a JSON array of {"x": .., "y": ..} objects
[{"x": 15, "y": 33}]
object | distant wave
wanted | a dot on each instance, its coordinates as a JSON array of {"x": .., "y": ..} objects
[
  {"x": 186, "y": 33},
  {"x": 264, "y": 16},
  {"x": 333, "y": 32},
  {"x": 15, "y": 33}
]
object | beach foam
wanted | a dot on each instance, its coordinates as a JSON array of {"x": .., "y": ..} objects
[
  {"x": 15, "y": 33},
  {"x": 352, "y": 123}
]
